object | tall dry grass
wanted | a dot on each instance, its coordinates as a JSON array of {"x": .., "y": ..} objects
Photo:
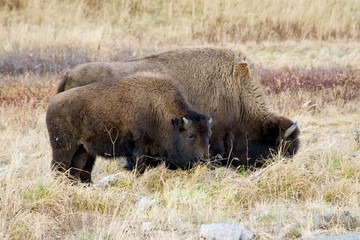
[
  {"x": 322, "y": 178},
  {"x": 97, "y": 23}
]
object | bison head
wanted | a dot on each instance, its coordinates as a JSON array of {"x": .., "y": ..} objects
[
  {"x": 191, "y": 142},
  {"x": 281, "y": 134},
  {"x": 277, "y": 135}
]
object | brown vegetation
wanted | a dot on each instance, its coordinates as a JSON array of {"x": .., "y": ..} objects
[
  {"x": 20, "y": 89},
  {"x": 323, "y": 85}
]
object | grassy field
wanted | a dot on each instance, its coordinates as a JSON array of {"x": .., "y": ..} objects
[
  {"x": 308, "y": 56},
  {"x": 144, "y": 23}
]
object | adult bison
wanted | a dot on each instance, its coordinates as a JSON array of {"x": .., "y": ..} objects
[
  {"x": 139, "y": 117},
  {"x": 219, "y": 82}
]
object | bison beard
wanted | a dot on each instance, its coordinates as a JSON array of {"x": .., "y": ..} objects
[
  {"x": 219, "y": 82},
  {"x": 141, "y": 118}
]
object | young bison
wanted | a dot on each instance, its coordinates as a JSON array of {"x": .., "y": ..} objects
[{"x": 140, "y": 117}]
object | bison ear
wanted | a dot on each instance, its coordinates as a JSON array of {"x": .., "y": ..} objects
[
  {"x": 175, "y": 121},
  {"x": 241, "y": 69}
]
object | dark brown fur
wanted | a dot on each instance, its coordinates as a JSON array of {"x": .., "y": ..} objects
[
  {"x": 219, "y": 82},
  {"x": 134, "y": 117}
]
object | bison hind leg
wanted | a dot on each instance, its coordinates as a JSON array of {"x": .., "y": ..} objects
[
  {"x": 85, "y": 174},
  {"x": 62, "y": 157},
  {"x": 81, "y": 166}
]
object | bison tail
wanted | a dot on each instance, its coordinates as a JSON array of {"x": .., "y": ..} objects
[
  {"x": 61, "y": 87},
  {"x": 64, "y": 81}
]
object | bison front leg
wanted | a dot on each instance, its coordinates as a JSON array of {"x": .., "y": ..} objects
[{"x": 135, "y": 163}]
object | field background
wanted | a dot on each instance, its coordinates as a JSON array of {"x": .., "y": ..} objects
[{"x": 307, "y": 53}]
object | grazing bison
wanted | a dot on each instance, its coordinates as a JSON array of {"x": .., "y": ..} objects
[
  {"x": 219, "y": 82},
  {"x": 140, "y": 117}
]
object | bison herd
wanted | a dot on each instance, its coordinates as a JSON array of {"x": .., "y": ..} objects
[{"x": 178, "y": 107}]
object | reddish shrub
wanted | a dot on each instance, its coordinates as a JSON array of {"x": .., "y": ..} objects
[{"x": 334, "y": 83}]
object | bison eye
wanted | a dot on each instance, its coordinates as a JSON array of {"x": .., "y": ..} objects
[{"x": 191, "y": 137}]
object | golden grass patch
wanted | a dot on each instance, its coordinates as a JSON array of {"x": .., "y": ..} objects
[
  {"x": 322, "y": 178},
  {"x": 145, "y": 23}
]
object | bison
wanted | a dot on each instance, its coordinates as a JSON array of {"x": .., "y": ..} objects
[
  {"x": 140, "y": 117},
  {"x": 217, "y": 81}
]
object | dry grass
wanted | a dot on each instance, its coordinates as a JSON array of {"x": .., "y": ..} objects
[
  {"x": 306, "y": 54},
  {"x": 306, "y": 78},
  {"x": 96, "y": 23},
  {"x": 322, "y": 178}
]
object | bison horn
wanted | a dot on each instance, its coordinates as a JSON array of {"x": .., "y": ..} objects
[
  {"x": 210, "y": 121},
  {"x": 290, "y": 130},
  {"x": 185, "y": 120}
]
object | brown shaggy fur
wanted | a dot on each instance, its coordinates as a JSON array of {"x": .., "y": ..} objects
[
  {"x": 219, "y": 82},
  {"x": 138, "y": 116}
]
